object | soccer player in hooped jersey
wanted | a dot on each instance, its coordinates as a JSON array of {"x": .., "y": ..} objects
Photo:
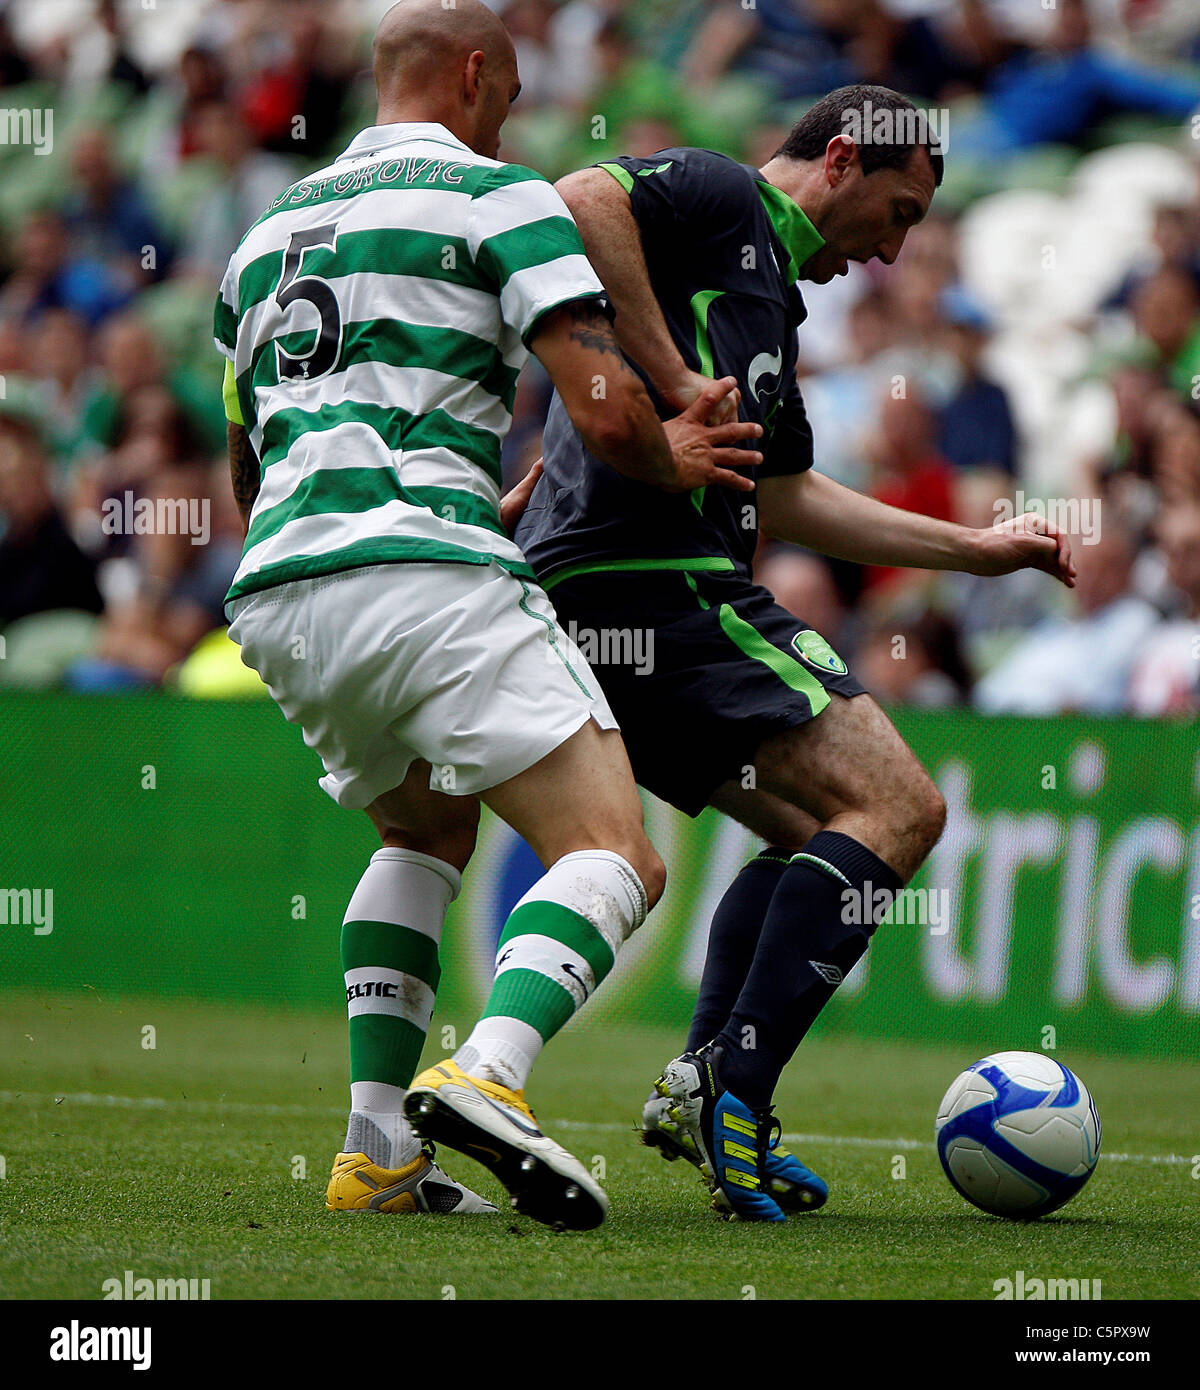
[
  {"x": 374, "y": 321},
  {"x": 700, "y": 256}
]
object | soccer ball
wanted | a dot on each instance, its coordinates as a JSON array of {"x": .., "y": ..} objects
[{"x": 1018, "y": 1134}]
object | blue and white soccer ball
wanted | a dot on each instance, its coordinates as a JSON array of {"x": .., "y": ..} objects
[{"x": 1018, "y": 1134}]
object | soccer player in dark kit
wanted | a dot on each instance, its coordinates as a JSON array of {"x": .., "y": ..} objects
[{"x": 700, "y": 256}]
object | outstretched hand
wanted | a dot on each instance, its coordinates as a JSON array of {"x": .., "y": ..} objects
[
  {"x": 514, "y": 502},
  {"x": 1028, "y": 541},
  {"x": 704, "y": 452}
]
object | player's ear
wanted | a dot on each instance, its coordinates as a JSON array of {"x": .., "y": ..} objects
[
  {"x": 473, "y": 77},
  {"x": 841, "y": 155}
]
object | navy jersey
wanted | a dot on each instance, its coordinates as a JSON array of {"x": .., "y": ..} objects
[{"x": 723, "y": 248}]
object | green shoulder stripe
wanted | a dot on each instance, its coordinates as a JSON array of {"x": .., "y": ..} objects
[
  {"x": 536, "y": 243},
  {"x": 620, "y": 173},
  {"x": 505, "y": 177}
]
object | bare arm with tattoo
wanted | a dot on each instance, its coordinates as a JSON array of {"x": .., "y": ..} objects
[
  {"x": 604, "y": 215},
  {"x": 244, "y": 470},
  {"x": 613, "y": 413}
]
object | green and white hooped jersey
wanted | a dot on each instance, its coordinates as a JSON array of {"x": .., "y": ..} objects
[{"x": 374, "y": 321}]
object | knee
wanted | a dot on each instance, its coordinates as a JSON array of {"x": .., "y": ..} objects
[
  {"x": 453, "y": 843},
  {"x": 929, "y": 817},
  {"x": 652, "y": 872}
]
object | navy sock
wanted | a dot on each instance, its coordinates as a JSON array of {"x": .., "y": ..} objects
[
  {"x": 732, "y": 940},
  {"x": 805, "y": 950}
]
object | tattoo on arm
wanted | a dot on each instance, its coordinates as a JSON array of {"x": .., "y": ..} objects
[
  {"x": 592, "y": 328},
  {"x": 243, "y": 469}
]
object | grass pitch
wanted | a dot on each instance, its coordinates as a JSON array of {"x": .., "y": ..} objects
[{"x": 206, "y": 1156}]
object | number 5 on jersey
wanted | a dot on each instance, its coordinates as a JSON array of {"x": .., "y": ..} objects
[{"x": 310, "y": 289}]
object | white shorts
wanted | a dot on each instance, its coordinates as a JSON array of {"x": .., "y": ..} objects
[{"x": 464, "y": 666}]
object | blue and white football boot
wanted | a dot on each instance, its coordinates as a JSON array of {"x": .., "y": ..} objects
[{"x": 690, "y": 1115}]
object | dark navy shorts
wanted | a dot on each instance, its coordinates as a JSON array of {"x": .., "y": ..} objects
[{"x": 699, "y": 668}]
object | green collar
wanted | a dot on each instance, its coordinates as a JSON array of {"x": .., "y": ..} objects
[{"x": 800, "y": 238}]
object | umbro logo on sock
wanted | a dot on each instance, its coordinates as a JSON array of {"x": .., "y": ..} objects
[{"x": 829, "y": 973}]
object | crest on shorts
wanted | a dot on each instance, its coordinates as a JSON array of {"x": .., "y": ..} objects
[{"x": 817, "y": 652}]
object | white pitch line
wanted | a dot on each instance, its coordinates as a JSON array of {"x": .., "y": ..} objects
[
  {"x": 245, "y": 1107},
  {"x": 242, "y": 1107}
]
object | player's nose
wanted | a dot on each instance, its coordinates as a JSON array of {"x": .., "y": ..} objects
[{"x": 889, "y": 249}]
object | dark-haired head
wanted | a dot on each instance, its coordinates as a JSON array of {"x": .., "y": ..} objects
[
  {"x": 856, "y": 108},
  {"x": 863, "y": 163}
]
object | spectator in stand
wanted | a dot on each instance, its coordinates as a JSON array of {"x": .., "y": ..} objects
[
  {"x": 975, "y": 429},
  {"x": 167, "y": 581},
  {"x": 184, "y": 96},
  {"x": 301, "y": 59},
  {"x": 60, "y": 351},
  {"x": 1176, "y": 242},
  {"x": 1177, "y": 454},
  {"x": 107, "y": 217},
  {"x": 1080, "y": 663},
  {"x": 1057, "y": 92},
  {"x": 41, "y": 568},
  {"x": 48, "y": 274},
  {"x": 99, "y": 53},
  {"x": 130, "y": 358},
  {"x": 805, "y": 48},
  {"x": 914, "y": 662},
  {"x": 1166, "y": 311},
  {"x": 1166, "y": 678},
  {"x": 908, "y": 473},
  {"x": 249, "y": 181}
]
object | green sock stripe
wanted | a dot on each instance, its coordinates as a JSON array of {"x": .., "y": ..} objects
[
  {"x": 571, "y": 928},
  {"x": 384, "y": 1048},
  {"x": 366, "y": 944},
  {"x": 534, "y": 999}
]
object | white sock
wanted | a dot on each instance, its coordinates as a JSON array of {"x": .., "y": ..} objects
[
  {"x": 561, "y": 940},
  {"x": 502, "y": 1050},
  {"x": 410, "y": 891}
]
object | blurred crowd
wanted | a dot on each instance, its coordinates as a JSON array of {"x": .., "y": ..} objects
[{"x": 1035, "y": 347}]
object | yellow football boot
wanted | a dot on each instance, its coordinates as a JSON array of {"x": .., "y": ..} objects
[
  {"x": 357, "y": 1184},
  {"x": 496, "y": 1127}
]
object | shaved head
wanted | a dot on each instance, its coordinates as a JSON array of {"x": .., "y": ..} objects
[
  {"x": 451, "y": 62},
  {"x": 422, "y": 44}
]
